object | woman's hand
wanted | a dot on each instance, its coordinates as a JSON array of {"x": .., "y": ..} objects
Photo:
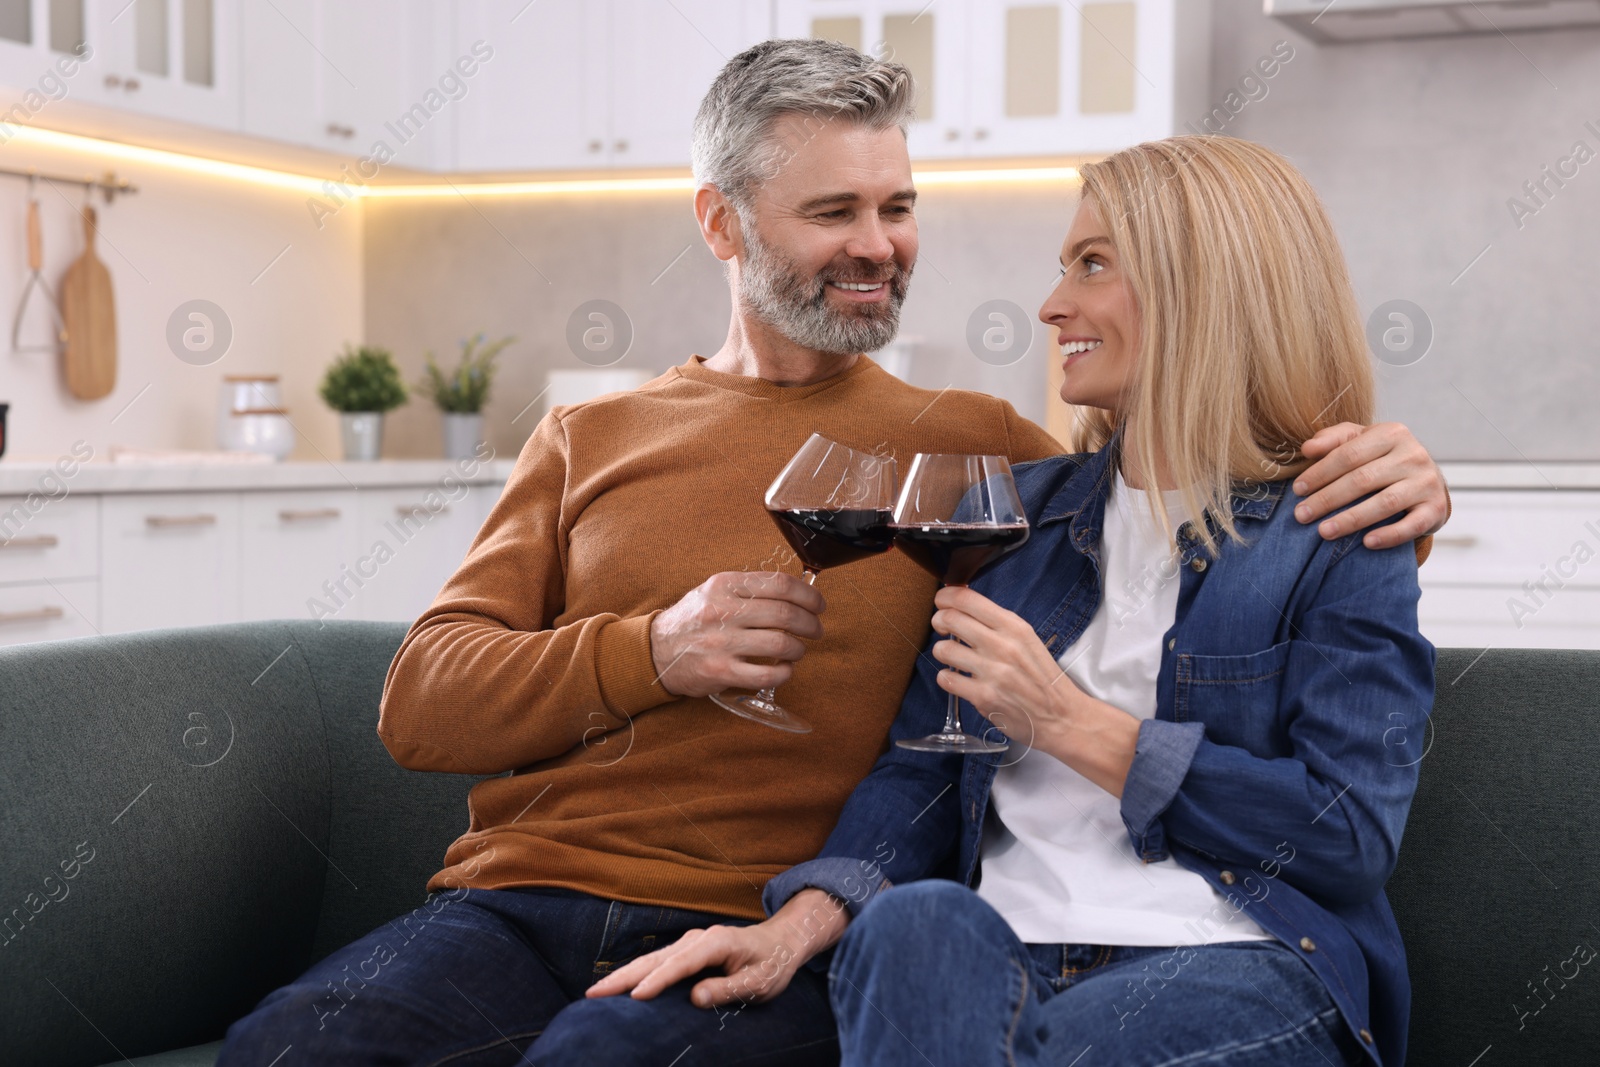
[
  {"x": 1015, "y": 683},
  {"x": 758, "y": 961},
  {"x": 1385, "y": 459}
]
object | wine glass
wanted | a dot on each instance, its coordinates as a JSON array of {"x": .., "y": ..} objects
[
  {"x": 833, "y": 505},
  {"x": 956, "y": 515}
]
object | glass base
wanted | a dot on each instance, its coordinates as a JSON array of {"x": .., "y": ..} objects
[
  {"x": 751, "y": 706},
  {"x": 952, "y": 742}
]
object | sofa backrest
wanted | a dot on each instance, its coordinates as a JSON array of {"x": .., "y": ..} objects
[
  {"x": 1497, "y": 890},
  {"x": 191, "y": 818}
]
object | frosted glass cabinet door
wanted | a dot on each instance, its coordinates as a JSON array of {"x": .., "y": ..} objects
[
  {"x": 169, "y": 559},
  {"x": 1053, "y": 78},
  {"x": 170, "y": 58},
  {"x": 539, "y": 103},
  {"x": 930, "y": 39}
]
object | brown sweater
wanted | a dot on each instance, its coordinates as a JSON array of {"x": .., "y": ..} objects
[{"x": 535, "y": 657}]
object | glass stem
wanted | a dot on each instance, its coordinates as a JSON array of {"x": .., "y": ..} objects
[
  {"x": 769, "y": 695},
  {"x": 952, "y": 711}
]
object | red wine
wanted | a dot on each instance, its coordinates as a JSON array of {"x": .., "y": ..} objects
[
  {"x": 824, "y": 537},
  {"x": 955, "y": 552}
]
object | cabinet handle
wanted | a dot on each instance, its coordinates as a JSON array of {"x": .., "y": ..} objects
[
  {"x": 336, "y": 130},
  {"x": 308, "y": 514},
  {"x": 42, "y": 541},
  {"x": 595, "y": 146},
  {"x": 952, "y": 135},
  {"x": 980, "y": 134},
  {"x": 405, "y": 511},
  {"x": 36, "y": 615},
  {"x": 159, "y": 521},
  {"x": 621, "y": 146},
  {"x": 1464, "y": 541},
  {"x": 113, "y": 82},
  {"x": 130, "y": 85}
]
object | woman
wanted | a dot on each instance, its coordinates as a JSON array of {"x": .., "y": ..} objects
[{"x": 1181, "y": 859}]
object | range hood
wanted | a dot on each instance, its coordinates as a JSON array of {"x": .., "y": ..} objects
[{"x": 1370, "y": 20}]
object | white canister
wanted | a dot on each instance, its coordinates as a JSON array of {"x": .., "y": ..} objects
[
  {"x": 264, "y": 430},
  {"x": 241, "y": 392}
]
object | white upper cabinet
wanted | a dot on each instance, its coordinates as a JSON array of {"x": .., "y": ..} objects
[
  {"x": 580, "y": 84},
  {"x": 174, "y": 59},
  {"x": 354, "y": 77},
  {"x": 998, "y": 79},
  {"x": 664, "y": 56},
  {"x": 539, "y": 101}
]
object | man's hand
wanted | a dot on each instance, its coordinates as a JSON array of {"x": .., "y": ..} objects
[
  {"x": 705, "y": 642},
  {"x": 757, "y": 961},
  {"x": 1355, "y": 460}
]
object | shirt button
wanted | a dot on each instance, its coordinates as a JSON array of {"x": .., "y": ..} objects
[
  {"x": 1366, "y": 1036},
  {"x": 1227, "y": 877},
  {"x": 1308, "y": 944},
  {"x": 1171, "y": 643},
  {"x": 1198, "y": 564}
]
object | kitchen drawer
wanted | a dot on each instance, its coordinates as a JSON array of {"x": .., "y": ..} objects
[
  {"x": 423, "y": 534},
  {"x": 1509, "y": 617},
  {"x": 60, "y": 540},
  {"x": 171, "y": 559},
  {"x": 48, "y": 612},
  {"x": 290, "y": 544},
  {"x": 1508, "y": 538}
]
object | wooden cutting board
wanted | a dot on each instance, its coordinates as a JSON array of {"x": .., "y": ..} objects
[{"x": 90, "y": 314}]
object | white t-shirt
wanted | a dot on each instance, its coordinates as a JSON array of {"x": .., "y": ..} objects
[{"x": 1057, "y": 861}]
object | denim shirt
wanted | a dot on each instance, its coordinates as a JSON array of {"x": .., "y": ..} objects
[{"x": 1293, "y": 693}]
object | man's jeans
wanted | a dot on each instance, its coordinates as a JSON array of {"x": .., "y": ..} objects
[
  {"x": 497, "y": 976},
  {"x": 930, "y": 972}
]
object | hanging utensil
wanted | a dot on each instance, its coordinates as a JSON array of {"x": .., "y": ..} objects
[
  {"x": 90, "y": 357},
  {"x": 35, "y": 262}
]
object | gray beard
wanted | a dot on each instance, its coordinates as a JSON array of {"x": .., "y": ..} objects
[{"x": 773, "y": 289}]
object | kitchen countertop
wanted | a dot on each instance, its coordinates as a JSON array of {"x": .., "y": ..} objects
[
  {"x": 20, "y": 477},
  {"x": 1554, "y": 474}
]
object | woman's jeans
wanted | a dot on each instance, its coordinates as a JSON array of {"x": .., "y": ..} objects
[
  {"x": 497, "y": 976},
  {"x": 929, "y": 973}
]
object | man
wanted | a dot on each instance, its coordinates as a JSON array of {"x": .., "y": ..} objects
[{"x": 628, "y": 572}]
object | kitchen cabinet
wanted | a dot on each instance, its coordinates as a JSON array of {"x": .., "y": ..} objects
[
  {"x": 1024, "y": 78},
  {"x": 1515, "y": 569},
  {"x": 169, "y": 559},
  {"x": 177, "y": 547},
  {"x": 174, "y": 59},
  {"x": 345, "y": 76},
  {"x": 290, "y": 543},
  {"x": 411, "y": 540},
  {"x": 576, "y": 85}
]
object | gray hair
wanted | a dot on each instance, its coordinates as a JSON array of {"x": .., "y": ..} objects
[{"x": 820, "y": 80}]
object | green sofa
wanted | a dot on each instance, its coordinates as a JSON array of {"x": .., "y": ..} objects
[{"x": 192, "y": 817}]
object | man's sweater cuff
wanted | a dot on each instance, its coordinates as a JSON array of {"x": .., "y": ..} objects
[{"x": 627, "y": 672}]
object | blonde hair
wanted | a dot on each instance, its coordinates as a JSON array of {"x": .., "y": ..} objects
[{"x": 1249, "y": 340}]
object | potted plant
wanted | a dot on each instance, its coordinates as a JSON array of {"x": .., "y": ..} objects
[
  {"x": 462, "y": 392},
  {"x": 361, "y": 385}
]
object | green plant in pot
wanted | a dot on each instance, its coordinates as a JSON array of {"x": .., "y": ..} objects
[
  {"x": 461, "y": 393},
  {"x": 362, "y": 384}
]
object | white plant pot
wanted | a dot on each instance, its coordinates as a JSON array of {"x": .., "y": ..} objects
[
  {"x": 362, "y": 435},
  {"x": 462, "y": 432}
]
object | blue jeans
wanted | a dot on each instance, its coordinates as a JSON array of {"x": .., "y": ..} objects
[
  {"x": 930, "y": 973},
  {"x": 497, "y": 976}
]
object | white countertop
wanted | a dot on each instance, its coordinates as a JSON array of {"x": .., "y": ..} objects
[
  {"x": 1554, "y": 474},
  {"x": 20, "y": 477}
]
